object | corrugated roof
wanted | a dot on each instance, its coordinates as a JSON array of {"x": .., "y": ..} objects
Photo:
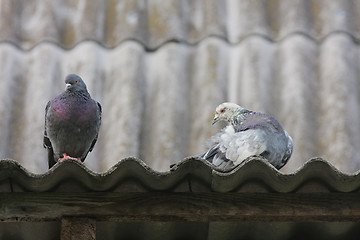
[
  {"x": 190, "y": 175},
  {"x": 154, "y": 22},
  {"x": 158, "y": 105},
  {"x": 160, "y": 68}
]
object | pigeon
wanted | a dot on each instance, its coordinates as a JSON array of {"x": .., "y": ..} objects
[
  {"x": 72, "y": 122},
  {"x": 248, "y": 134}
]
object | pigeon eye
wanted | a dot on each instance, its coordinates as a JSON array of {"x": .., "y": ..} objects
[
  {"x": 222, "y": 110},
  {"x": 76, "y": 81}
]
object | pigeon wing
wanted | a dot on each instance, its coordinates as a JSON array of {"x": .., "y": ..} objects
[
  {"x": 279, "y": 145},
  {"x": 96, "y": 137},
  {"x": 46, "y": 142}
]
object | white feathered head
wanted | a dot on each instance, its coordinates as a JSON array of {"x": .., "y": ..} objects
[{"x": 227, "y": 111}]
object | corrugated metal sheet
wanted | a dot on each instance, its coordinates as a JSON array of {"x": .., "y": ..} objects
[
  {"x": 189, "y": 175},
  {"x": 27, "y": 23},
  {"x": 159, "y": 69}
]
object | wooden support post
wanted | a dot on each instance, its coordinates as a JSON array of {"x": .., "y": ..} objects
[{"x": 75, "y": 228}]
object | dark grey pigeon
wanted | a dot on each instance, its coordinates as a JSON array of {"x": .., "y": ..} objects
[
  {"x": 72, "y": 122},
  {"x": 249, "y": 134}
]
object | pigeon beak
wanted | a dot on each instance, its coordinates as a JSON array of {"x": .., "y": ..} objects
[
  {"x": 67, "y": 86},
  {"x": 214, "y": 120}
]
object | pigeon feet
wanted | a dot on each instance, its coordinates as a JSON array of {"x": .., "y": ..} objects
[{"x": 65, "y": 156}]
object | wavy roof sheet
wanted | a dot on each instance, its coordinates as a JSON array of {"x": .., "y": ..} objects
[
  {"x": 158, "y": 105},
  {"x": 159, "y": 69},
  {"x": 155, "y": 22},
  {"x": 189, "y": 175}
]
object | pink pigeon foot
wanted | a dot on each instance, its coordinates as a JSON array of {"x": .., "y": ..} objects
[{"x": 65, "y": 156}]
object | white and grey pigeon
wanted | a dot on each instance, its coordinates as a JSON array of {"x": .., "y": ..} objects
[
  {"x": 248, "y": 134},
  {"x": 72, "y": 122}
]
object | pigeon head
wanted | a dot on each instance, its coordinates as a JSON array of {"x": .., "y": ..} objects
[
  {"x": 74, "y": 83},
  {"x": 228, "y": 112}
]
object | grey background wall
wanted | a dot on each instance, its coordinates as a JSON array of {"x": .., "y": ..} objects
[{"x": 159, "y": 69}]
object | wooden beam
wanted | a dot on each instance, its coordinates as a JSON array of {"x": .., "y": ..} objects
[{"x": 169, "y": 206}]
